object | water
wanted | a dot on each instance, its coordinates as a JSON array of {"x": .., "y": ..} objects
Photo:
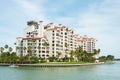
[{"x": 92, "y": 72}]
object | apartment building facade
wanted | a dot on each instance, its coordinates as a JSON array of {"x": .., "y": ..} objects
[{"x": 59, "y": 39}]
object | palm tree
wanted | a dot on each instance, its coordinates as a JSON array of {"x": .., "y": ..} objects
[
  {"x": 17, "y": 48},
  {"x": 29, "y": 48},
  {"x": 2, "y": 49},
  {"x": 96, "y": 52},
  {"x": 84, "y": 56},
  {"x": 46, "y": 44},
  {"x": 6, "y": 46},
  {"x": 38, "y": 47},
  {"x": 24, "y": 48},
  {"x": 66, "y": 45},
  {"x": 72, "y": 53},
  {"x": 58, "y": 55},
  {"x": 79, "y": 53},
  {"x": 10, "y": 50}
]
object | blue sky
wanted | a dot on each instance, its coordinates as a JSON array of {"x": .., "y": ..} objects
[{"x": 95, "y": 18}]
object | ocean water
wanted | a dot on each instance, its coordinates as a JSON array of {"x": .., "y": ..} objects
[{"x": 92, "y": 72}]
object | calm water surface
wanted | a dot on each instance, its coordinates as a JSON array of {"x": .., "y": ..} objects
[{"x": 93, "y": 72}]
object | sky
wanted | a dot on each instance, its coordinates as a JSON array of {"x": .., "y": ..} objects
[{"x": 95, "y": 18}]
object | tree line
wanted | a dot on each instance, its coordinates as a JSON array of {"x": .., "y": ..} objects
[{"x": 78, "y": 55}]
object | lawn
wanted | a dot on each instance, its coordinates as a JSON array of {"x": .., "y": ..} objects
[{"x": 65, "y": 63}]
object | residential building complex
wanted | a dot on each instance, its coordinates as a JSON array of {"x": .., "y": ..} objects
[{"x": 49, "y": 40}]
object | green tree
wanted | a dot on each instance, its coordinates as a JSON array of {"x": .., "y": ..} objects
[
  {"x": 66, "y": 45},
  {"x": 14, "y": 57},
  {"x": 6, "y": 57},
  {"x": 6, "y": 47},
  {"x": 2, "y": 49},
  {"x": 38, "y": 47},
  {"x": 35, "y": 59},
  {"x": 29, "y": 52},
  {"x": 72, "y": 53},
  {"x": 58, "y": 55},
  {"x": 79, "y": 53},
  {"x": 102, "y": 59},
  {"x": 52, "y": 58},
  {"x": 96, "y": 52},
  {"x": 24, "y": 48},
  {"x": 46, "y": 44},
  {"x": 110, "y": 57},
  {"x": 17, "y": 48},
  {"x": 10, "y": 49}
]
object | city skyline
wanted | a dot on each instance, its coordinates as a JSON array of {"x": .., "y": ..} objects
[{"x": 95, "y": 18}]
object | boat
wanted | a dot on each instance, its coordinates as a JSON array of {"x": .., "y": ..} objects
[{"x": 13, "y": 65}]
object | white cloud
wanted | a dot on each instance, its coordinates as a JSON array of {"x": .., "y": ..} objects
[
  {"x": 101, "y": 21},
  {"x": 33, "y": 10}
]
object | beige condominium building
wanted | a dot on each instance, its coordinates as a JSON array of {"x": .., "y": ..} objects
[{"x": 49, "y": 40}]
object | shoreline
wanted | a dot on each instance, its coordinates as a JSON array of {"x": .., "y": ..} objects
[{"x": 51, "y": 65}]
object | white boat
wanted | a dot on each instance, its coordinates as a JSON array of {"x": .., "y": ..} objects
[{"x": 13, "y": 65}]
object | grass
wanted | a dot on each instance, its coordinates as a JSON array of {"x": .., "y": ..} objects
[{"x": 65, "y": 63}]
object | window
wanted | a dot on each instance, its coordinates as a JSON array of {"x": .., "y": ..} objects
[
  {"x": 39, "y": 40},
  {"x": 43, "y": 51},
  {"x": 53, "y": 34},
  {"x": 65, "y": 33},
  {"x": 34, "y": 47},
  {"x": 57, "y": 34},
  {"x": 34, "y": 51},
  {"x": 53, "y": 37},
  {"x": 43, "y": 55},
  {"x": 47, "y": 55},
  {"x": 43, "y": 47},
  {"x": 43, "y": 40}
]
